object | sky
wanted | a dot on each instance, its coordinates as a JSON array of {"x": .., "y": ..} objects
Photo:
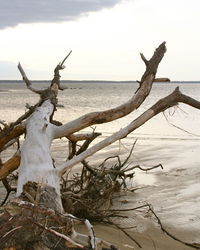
[{"x": 105, "y": 36}]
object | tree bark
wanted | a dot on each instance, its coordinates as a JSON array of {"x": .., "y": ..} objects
[
  {"x": 36, "y": 163},
  {"x": 38, "y": 201},
  {"x": 122, "y": 110},
  {"x": 9, "y": 166},
  {"x": 169, "y": 101}
]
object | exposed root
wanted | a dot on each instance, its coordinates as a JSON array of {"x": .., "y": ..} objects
[{"x": 23, "y": 224}]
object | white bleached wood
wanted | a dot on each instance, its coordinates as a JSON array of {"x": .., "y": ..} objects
[
  {"x": 109, "y": 140},
  {"x": 171, "y": 100},
  {"x": 84, "y": 239},
  {"x": 36, "y": 163}
]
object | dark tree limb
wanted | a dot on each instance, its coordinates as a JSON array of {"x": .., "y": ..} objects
[
  {"x": 152, "y": 64},
  {"x": 9, "y": 134},
  {"x": 162, "y": 79},
  {"x": 73, "y": 139},
  {"x": 8, "y": 188},
  {"x": 82, "y": 137},
  {"x": 122, "y": 110},
  {"x": 87, "y": 142},
  {"x": 169, "y": 101},
  {"x": 60, "y": 66},
  {"x": 168, "y": 233},
  {"x": 9, "y": 166},
  {"x": 144, "y": 59},
  {"x": 126, "y": 233}
]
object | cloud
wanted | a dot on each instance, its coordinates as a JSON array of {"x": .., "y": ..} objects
[{"x": 30, "y": 11}]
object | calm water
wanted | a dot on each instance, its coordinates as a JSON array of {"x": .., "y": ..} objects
[
  {"x": 81, "y": 98},
  {"x": 159, "y": 141}
]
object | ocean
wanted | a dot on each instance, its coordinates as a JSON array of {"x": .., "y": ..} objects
[
  {"x": 172, "y": 139},
  {"x": 166, "y": 133},
  {"x": 83, "y": 97}
]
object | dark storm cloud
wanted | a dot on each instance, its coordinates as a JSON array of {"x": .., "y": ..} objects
[{"x": 30, "y": 11}]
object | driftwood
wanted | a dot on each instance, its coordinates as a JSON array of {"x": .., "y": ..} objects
[{"x": 46, "y": 196}]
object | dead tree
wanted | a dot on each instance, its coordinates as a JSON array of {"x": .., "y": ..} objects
[{"x": 38, "y": 205}]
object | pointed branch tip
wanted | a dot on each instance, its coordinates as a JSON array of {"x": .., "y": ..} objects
[{"x": 61, "y": 64}]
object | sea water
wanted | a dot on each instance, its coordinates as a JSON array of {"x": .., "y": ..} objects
[
  {"x": 83, "y": 97},
  {"x": 171, "y": 138},
  {"x": 175, "y": 124}
]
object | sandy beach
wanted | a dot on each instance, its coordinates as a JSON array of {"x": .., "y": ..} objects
[{"x": 173, "y": 192}]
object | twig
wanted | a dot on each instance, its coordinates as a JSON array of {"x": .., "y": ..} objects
[
  {"x": 11, "y": 231},
  {"x": 3, "y": 123},
  {"x": 56, "y": 78},
  {"x": 61, "y": 64},
  {"x": 145, "y": 169},
  {"x": 175, "y": 126},
  {"x": 168, "y": 233},
  {"x": 130, "y": 153},
  {"x": 111, "y": 157},
  {"x": 87, "y": 143},
  {"x": 8, "y": 188},
  {"x": 92, "y": 234},
  {"x": 27, "y": 81},
  {"x": 128, "y": 209},
  {"x": 122, "y": 172},
  {"x": 127, "y": 234},
  {"x": 59, "y": 235}
]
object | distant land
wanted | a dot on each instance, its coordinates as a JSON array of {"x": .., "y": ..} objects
[{"x": 88, "y": 81}]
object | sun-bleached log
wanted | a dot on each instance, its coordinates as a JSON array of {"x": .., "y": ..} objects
[
  {"x": 38, "y": 187},
  {"x": 122, "y": 110},
  {"x": 169, "y": 101},
  {"x": 36, "y": 163}
]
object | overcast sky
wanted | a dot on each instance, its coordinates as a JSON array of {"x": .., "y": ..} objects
[{"x": 106, "y": 37}]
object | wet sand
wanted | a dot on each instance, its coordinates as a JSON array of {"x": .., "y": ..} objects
[{"x": 173, "y": 192}]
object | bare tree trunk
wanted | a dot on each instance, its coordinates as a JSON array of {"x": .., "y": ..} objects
[
  {"x": 38, "y": 205},
  {"x": 36, "y": 163}
]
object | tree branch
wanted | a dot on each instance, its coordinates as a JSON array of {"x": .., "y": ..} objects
[
  {"x": 122, "y": 110},
  {"x": 168, "y": 233},
  {"x": 164, "y": 103},
  {"x": 60, "y": 66},
  {"x": 26, "y": 80},
  {"x": 9, "y": 166},
  {"x": 7, "y": 135}
]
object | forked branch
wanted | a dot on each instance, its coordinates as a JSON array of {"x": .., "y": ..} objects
[
  {"x": 60, "y": 66},
  {"x": 122, "y": 110},
  {"x": 169, "y": 101}
]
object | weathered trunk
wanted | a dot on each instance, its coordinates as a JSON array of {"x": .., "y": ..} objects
[
  {"x": 38, "y": 190},
  {"x": 26, "y": 222},
  {"x": 36, "y": 163}
]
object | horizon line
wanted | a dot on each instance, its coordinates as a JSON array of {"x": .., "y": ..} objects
[{"x": 100, "y": 81}]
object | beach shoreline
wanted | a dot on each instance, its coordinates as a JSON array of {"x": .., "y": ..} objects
[{"x": 172, "y": 192}]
